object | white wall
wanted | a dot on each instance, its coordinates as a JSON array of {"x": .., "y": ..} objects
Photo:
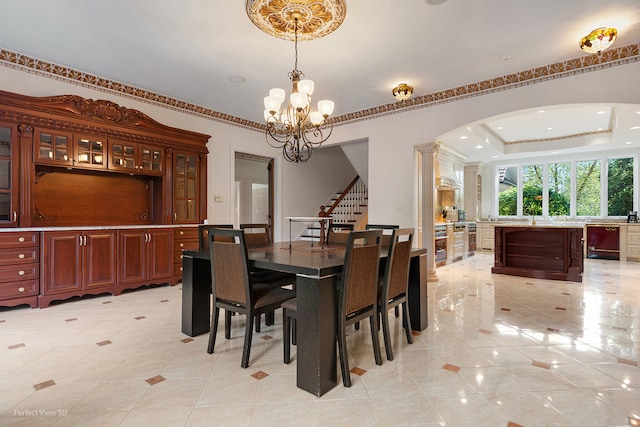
[{"x": 391, "y": 139}]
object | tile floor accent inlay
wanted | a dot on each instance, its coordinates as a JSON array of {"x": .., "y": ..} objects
[
  {"x": 13, "y": 347},
  {"x": 505, "y": 309},
  {"x": 484, "y": 331},
  {"x": 512, "y": 424},
  {"x": 358, "y": 371},
  {"x": 560, "y": 308},
  {"x": 108, "y": 302},
  {"x": 186, "y": 340},
  {"x": 73, "y": 319},
  {"x": 164, "y": 300},
  {"x": 541, "y": 365},
  {"x": 260, "y": 375},
  {"x": 450, "y": 367},
  {"x": 553, "y": 330},
  {"x": 627, "y": 362},
  {"x": 266, "y": 337},
  {"x": 155, "y": 380},
  {"x": 44, "y": 384},
  {"x": 101, "y": 343},
  {"x": 140, "y": 317}
]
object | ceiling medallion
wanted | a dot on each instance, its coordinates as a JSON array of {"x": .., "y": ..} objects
[{"x": 314, "y": 18}]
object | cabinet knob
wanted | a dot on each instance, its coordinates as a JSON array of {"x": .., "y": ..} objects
[
  {"x": 21, "y": 273},
  {"x": 182, "y": 233},
  {"x": 20, "y": 239},
  {"x": 182, "y": 245},
  {"x": 21, "y": 256},
  {"x": 20, "y": 289}
]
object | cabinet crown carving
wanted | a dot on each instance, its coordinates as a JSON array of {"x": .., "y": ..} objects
[{"x": 101, "y": 109}]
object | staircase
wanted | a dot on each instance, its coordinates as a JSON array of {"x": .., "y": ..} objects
[{"x": 347, "y": 207}]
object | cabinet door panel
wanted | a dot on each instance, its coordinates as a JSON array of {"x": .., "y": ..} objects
[
  {"x": 160, "y": 256},
  {"x": 131, "y": 266},
  {"x": 100, "y": 262},
  {"x": 61, "y": 263}
]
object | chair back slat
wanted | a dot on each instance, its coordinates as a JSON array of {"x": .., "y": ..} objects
[
  {"x": 397, "y": 269},
  {"x": 229, "y": 266},
  {"x": 360, "y": 274},
  {"x": 256, "y": 235},
  {"x": 203, "y": 234}
]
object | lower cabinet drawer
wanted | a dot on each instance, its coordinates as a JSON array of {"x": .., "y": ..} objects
[
  {"x": 633, "y": 251},
  {"x": 24, "y": 288},
  {"x": 19, "y": 255},
  {"x": 633, "y": 238},
  {"x": 16, "y": 272}
]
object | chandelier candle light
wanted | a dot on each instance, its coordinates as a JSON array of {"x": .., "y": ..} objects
[{"x": 296, "y": 129}]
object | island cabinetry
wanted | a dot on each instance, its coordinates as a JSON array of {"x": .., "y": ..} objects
[
  {"x": 77, "y": 263},
  {"x": 185, "y": 238},
  {"x": 145, "y": 256},
  {"x": 542, "y": 252},
  {"x": 19, "y": 268}
]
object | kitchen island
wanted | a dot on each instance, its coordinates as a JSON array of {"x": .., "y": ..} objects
[{"x": 543, "y": 252}]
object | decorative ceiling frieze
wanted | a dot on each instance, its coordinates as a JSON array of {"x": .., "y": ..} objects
[{"x": 583, "y": 64}]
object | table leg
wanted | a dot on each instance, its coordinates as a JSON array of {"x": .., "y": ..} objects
[
  {"x": 316, "y": 334},
  {"x": 196, "y": 295},
  {"x": 417, "y": 298}
]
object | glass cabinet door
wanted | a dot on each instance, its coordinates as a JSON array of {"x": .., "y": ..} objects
[
  {"x": 8, "y": 177},
  {"x": 151, "y": 160},
  {"x": 53, "y": 147},
  {"x": 185, "y": 188},
  {"x": 122, "y": 156},
  {"x": 91, "y": 152}
]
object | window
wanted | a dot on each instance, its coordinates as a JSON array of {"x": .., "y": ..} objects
[
  {"x": 620, "y": 186},
  {"x": 571, "y": 188},
  {"x": 588, "y": 188},
  {"x": 532, "y": 190},
  {"x": 559, "y": 189},
  {"x": 508, "y": 191}
]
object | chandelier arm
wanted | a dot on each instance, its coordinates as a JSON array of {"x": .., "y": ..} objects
[
  {"x": 314, "y": 135},
  {"x": 279, "y": 137}
]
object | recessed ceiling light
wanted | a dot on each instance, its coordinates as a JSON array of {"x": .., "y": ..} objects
[
  {"x": 500, "y": 127},
  {"x": 237, "y": 79},
  {"x": 479, "y": 146},
  {"x": 555, "y": 152},
  {"x": 506, "y": 57},
  {"x": 600, "y": 129},
  {"x": 540, "y": 111},
  {"x": 494, "y": 157},
  {"x": 464, "y": 137},
  {"x": 628, "y": 143},
  {"x": 600, "y": 112},
  {"x": 549, "y": 128},
  {"x": 635, "y": 127}
]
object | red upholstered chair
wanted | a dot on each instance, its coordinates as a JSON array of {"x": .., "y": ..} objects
[{"x": 235, "y": 290}]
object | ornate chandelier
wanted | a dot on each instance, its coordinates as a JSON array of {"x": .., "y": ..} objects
[{"x": 295, "y": 128}]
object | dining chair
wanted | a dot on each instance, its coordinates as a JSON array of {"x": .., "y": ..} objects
[
  {"x": 386, "y": 240},
  {"x": 338, "y": 233},
  {"x": 257, "y": 235},
  {"x": 235, "y": 290},
  {"x": 358, "y": 292},
  {"x": 357, "y": 296},
  {"x": 395, "y": 284},
  {"x": 203, "y": 234}
]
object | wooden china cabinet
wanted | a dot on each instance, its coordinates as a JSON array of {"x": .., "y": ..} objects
[{"x": 91, "y": 194}]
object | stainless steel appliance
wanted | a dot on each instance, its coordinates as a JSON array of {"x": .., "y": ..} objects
[
  {"x": 441, "y": 244},
  {"x": 471, "y": 228}
]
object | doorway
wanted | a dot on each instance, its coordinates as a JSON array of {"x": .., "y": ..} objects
[{"x": 253, "y": 190}]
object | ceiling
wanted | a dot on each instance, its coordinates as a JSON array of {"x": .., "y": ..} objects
[{"x": 198, "y": 50}]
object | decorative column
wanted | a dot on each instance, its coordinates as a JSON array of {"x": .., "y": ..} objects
[{"x": 428, "y": 200}]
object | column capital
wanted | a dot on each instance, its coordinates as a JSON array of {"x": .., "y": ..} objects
[{"x": 429, "y": 147}]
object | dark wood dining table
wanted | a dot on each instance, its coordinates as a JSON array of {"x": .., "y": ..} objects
[{"x": 316, "y": 272}]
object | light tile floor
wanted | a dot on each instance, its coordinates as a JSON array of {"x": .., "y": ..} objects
[{"x": 499, "y": 351}]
